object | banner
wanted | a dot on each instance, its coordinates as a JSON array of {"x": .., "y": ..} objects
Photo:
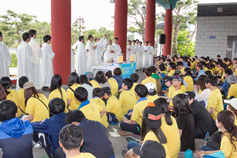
[{"x": 127, "y": 69}]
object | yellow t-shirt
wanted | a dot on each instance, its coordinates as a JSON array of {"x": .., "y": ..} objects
[
  {"x": 21, "y": 102},
  {"x": 152, "y": 98},
  {"x": 133, "y": 87},
  {"x": 101, "y": 105},
  {"x": 91, "y": 112},
  {"x": 172, "y": 90},
  {"x": 114, "y": 86},
  {"x": 189, "y": 81},
  {"x": 149, "y": 79},
  {"x": 137, "y": 113},
  {"x": 171, "y": 73},
  {"x": 236, "y": 121},
  {"x": 127, "y": 100},
  {"x": 172, "y": 135},
  {"x": 56, "y": 94},
  {"x": 113, "y": 106},
  {"x": 13, "y": 96},
  {"x": 83, "y": 155},
  {"x": 37, "y": 108},
  {"x": 235, "y": 71},
  {"x": 95, "y": 84},
  {"x": 227, "y": 148},
  {"x": 182, "y": 70},
  {"x": 151, "y": 136},
  {"x": 175, "y": 93},
  {"x": 215, "y": 101},
  {"x": 70, "y": 96},
  {"x": 232, "y": 91}
]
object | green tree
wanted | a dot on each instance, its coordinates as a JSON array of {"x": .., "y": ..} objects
[
  {"x": 43, "y": 28},
  {"x": 185, "y": 44}
]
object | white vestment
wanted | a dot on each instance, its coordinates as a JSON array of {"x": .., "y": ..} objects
[
  {"x": 99, "y": 50},
  {"x": 117, "y": 52},
  {"x": 150, "y": 56},
  {"x": 81, "y": 59},
  {"x": 137, "y": 53},
  {"x": 25, "y": 62},
  {"x": 108, "y": 55},
  {"x": 90, "y": 56},
  {"x": 5, "y": 60},
  {"x": 47, "y": 64},
  {"x": 72, "y": 61},
  {"x": 129, "y": 52},
  {"x": 145, "y": 57},
  {"x": 141, "y": 48},
  {"x": 37, "y": 68}
]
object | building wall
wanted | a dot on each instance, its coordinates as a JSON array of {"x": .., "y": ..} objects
[{"x": 219, "y": 27}]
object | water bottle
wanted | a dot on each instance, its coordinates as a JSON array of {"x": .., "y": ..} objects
[{"x": 207, "y": 138}]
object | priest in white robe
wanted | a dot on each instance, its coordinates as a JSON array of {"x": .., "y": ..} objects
[
  {"x": 47, "y": 63},
  {"x": 81, "y": 57},
  {"x": 136, "y": 53},
  {"x": 146, "y": 56},
  {"x": 37, "y": 55},
  {"x": 129, "y": 51},
  {"x": 109, "y": 54},
  {"x": 91, "y": 53},
  {"x": 72, "y": 61},
  {"x": 141, "y": 48},
  {"x": 117, "y": 48},
  {"x": 101, "y": 44},
  {"x": 5, "y": 59},
  {"x": 25, "y": 59},
  {"x": 151, "y": 54}
]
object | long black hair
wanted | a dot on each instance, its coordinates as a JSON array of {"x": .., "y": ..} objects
[
  {"x": 181, "y": 104},
  {"x": 163, "y": 105},
  {"x": 100, "y": 77},
  {"x": 6, "y": 83},
  {"x": 56, "y": 83},
  {"x": 188, "y": 72},
  {"x": 227, "y": 118},
  {"x": 73, "y": 78},
  {"x": 83, "y": 80}
]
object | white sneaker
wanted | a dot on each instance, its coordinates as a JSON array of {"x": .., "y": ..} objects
[{"x": 37, "y": 145}]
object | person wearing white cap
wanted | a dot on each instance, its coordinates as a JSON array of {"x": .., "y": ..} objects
[
  {"x": 232, "y": 106},
  {"x": 152, "y": 96},
  {"x": 233, "y": 88}
]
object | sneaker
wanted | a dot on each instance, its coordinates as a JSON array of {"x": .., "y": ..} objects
[
  {"x": 45, "y": 88},
  {"x": 37, "y": 145},
  {"x": 123, "y": 153},
  {"x": 132, "y": 139}
]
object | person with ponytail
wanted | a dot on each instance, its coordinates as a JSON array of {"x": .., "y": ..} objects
[
  {"x": 56, "y": 90},
  {"x": 188, "y": 79},
  {"x": 73, "y": 83},
  {"x": 226, "y": 123},
  {"x": 169, "y": 127}
]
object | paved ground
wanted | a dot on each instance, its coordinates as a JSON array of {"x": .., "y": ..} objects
[{"x": 119, "y": 143}]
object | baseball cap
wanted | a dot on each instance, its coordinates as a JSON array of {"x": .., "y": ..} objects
[
  {"x": 150, "y": 149},
  {"x": 89, "y": 75},
  {"x": 152, "y": 116},
  {"x": 232, "y": 102},
  {"x": 231, "y": 79},
  {"x": 28, "y": 85},
  {"x": 167, "y": 78},
  {"x": 151, "y": 87},
  {"x": 178, "y": 77},
  {"x": 190, "y": 95}
]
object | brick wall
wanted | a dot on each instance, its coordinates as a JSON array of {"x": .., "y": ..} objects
[{"x": 219, "y": 27}]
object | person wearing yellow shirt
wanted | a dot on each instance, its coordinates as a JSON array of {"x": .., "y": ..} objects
[
  {"x": 188, "y": 79},
  {"x": 172, "y": 68},
  {"x": 90, "y": 77},
  {"x": 176, "y": 83},
  {"x": 232, "y": 106},
  {"x": 36, "y": 104},
  {"x": 180, "y": 67},
  {"x": 215, "y": 103},
  {"x": 148, "y": 73},
  {"x": 232, "y": 92},
  {"x": 73, "y": 83},
  {"x": 71, "y": 148},
  {"x": 169, "y": 127},
  {"x": 152, "y": 95},
  {"x": 134, "y": 123},
  {"x": 134, "y": 77},
  {"x": 11, "y": 94},
  {"x": 113, "y": 107},
  {"x": 113, "y": 83},
  {"x": 127, "y": 98},
  {"x": 21, "y": 97},
  {"x": 56, "y": 90},
  {"x": 226, "y": 123},
  {"x": 89, "y": 109},
  {"x": 97, "y": 99}
]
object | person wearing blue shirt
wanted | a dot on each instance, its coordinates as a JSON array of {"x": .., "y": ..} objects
[
  {"x": 118, "y": 77},
  {"x": 16, "y": 136},
  {"x": 52, "y": 126},
  {"x": 225, "y": 87},
  {"x": 200, "y": 71}
]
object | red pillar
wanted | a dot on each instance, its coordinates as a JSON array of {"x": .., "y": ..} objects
[
  {"x": 61, "y": 37},
  {"x": 150, "y": 21},
  {"x": 120, "y": 24},
  {"x": 168, "y": 31}
]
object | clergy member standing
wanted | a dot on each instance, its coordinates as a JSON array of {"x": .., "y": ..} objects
[
  {"x": 25, "y": 59},
  {"x": 37, "y": 55},
  {"x": 109, "y": 54},
  {"x": 129, "y": 51},
  {"x": 91, "y": 53},
  {"x": 5, "y": 59},
  {"x": 151, "y": 54},
  {"x": 118, "y": 49},
  {"x": 47, "y": 64},
  {"x": 81, "y": 57},
  {"x": 101, "y": 44},
  {"x": 146, "y": 56},
  {"x": 141, "y": 48}
]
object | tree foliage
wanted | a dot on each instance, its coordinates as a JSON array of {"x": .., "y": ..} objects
[{"x": 185, "y": 45}]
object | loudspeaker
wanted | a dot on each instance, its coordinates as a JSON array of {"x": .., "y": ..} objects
[{"x": 162, "y": 39}]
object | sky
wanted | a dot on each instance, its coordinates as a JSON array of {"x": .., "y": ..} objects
[{"x": 97, "y": 13}]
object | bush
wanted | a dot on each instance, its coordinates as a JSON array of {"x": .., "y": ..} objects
[{"x": 14, "y": 60}]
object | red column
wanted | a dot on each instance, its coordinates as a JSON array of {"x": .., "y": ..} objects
[
  {"x": 120, "y": 24},
  {"x": 168, "y": 31},
  {"x": 61, "y": 37},
  {"x": 150, "y": 21}
]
